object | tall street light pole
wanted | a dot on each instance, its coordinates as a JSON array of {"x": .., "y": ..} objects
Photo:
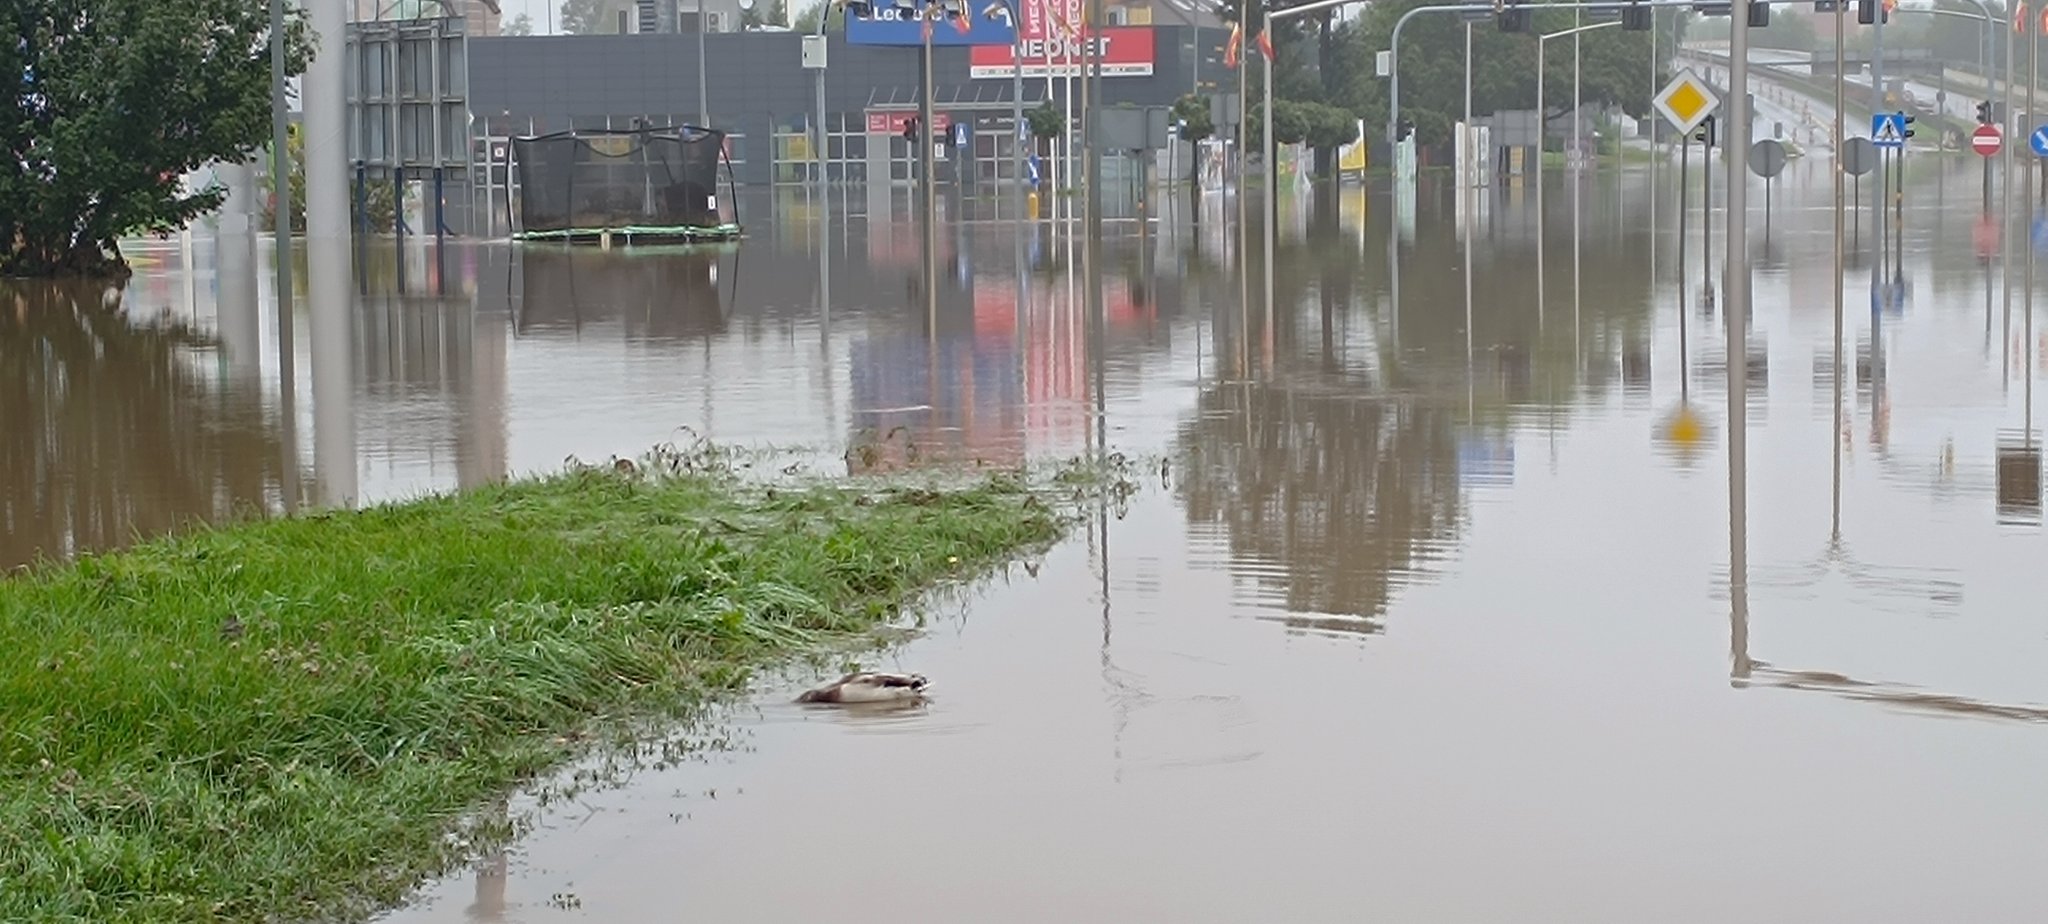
[
  {"x": 703, "y": 85},
  {"x": 1736, "y": 308},
  {"x": 280, "y": 165}
]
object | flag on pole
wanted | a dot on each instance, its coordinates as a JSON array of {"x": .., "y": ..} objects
[
  {"x": 1230, "y": 47},
  {"x": 2019, "y": 18},
  {"x": 2044, "y": 20},
  {"x": 1266, "y": 42},
  {"x": 960, "y": 23},
  {"x": 926, "y": 25}
]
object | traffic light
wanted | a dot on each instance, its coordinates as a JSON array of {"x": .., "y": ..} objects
[
  {"x": 1909, "y": 123},
  {"x": 1509, "y": 16},
  {"x": 1637, "y": 17},
  {"x": 1984, "y": 113},
  {"x": 1759, "y": 14},
  {"x": 1705, "y": 134},
  {"x": 911, "y": 130},
  {"x": 1403, "y": 129},
  {"x": 1870, "y": 11}
]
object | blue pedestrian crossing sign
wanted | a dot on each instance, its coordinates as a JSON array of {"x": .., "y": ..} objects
[
  {"x": 959, "y": 134},
  {"x": 1888, "y": 129},
  {"x": 1031, "y": 170},
  {"x": 2039, "y": 141}
]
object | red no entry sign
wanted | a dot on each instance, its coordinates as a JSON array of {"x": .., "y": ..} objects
[{"x": 1985, "y": 140}]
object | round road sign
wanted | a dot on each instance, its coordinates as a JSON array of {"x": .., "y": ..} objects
[
  {"x": 1985, "y": 140},
  {"x": 1859, "y": 156},
  {"x": 1767, "y": 158}
]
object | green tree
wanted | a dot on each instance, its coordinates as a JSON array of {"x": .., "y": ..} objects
[
  {"x": 113, "y": 102},
  {"x": 753, "y": 17},
  {"x": 1193, "y": 112},
  {"x": 1615, "y": 68},
  {"x": 593, "y": 17},
  {"x": 1046, "y": 121},
  {"x": 521, "y": 24},
  {"x": 1328, "y": 128}
]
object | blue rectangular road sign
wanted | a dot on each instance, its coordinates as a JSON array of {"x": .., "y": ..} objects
[
  {"x": 1888, "y": 129},
  {"x": 887, "y": 24}
]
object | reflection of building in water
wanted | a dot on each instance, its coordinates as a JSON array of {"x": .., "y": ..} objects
[
  {"x": 1057, "y": 376},
  {"x": 113, "y": 431},
  {"x": 1331, "y": 498},
  {"x": 656, "y": 293},
  {"x": 955, "y": 398}
]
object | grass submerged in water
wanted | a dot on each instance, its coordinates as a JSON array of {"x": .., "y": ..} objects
[{"x": 290, "y": 719}]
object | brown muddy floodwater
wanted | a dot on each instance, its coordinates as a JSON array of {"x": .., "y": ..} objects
[{"x": 1427, "y": 619}]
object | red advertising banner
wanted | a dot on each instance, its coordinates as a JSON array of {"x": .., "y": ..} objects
[
  {"x": 1127, "y": 51},
  {"x": 891, "y": 121}
]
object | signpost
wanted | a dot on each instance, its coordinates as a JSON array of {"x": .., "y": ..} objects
[
  {"x": 1859, "y": 156},
  {"x": 1888, "y": 130},
  {"x": 2039, "y": 141},
  {"x": 1686, "y": 101},
  {"x": 1767, "y": 160},
  {"x": 1985, "y": 140}
]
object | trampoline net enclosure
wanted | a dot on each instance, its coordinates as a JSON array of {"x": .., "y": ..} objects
[{"x": 645, "y": 180}]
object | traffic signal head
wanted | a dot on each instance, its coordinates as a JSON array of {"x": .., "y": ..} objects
[
  {"x": 1908, "y": 119},
  {"x": 1759, "y": 14},
  {"x": 1637, "y": 17},
  {"x": 1404, "y": 128},
  {"x": 1984, "y": 113},
  {"x": 910, "y": 129}
]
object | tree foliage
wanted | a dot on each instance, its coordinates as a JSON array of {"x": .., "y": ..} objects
[
  {"x": 1615, "y": 65},
  {"x": 114, "y": 102},
  {"x": 1192, "y": 111},
  {"x": 521, "y": 24},
  {"x": 776, "y": 14},
  {"x": 593, "y": 17},
  {"x": 1046, "y": 121}
]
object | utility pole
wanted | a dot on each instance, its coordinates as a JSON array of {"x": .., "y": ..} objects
[
  {"x": 1736, "y": 289},
  {"x": 280, "y": 166},
  {"x": 926, "y": 188}
]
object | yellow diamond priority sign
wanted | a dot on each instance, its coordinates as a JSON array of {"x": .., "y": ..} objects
[{"x": 1686, "y": 101}]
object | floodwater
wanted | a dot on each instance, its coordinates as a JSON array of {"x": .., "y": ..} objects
[{"x": 1428, "y": 615}]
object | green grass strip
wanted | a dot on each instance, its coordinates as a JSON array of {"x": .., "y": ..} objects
[{"x": 290, "y": 718}]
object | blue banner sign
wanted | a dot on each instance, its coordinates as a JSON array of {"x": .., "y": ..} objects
[{"x": 892, "y": 25}]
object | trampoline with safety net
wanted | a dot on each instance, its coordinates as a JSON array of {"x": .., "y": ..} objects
[{"x": 659, "y": 184}]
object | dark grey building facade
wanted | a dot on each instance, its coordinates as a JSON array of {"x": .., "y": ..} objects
[{"x": 761, "y": 95}]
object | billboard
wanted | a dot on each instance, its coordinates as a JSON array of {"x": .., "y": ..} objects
[
  {"x": 887, "y": 24},
  {"x": 1053, "y": 45},
  {"x": 1127, "y": 51}
]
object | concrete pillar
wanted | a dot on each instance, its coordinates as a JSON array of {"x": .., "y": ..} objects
[
  {"x": 330, "y": 296},
  {"x": 325, "y": 102}
]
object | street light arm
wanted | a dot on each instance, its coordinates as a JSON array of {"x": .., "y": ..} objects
[
  {"x": 1394, "y": 89},
  {"x": 1561, "y": 33}
]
